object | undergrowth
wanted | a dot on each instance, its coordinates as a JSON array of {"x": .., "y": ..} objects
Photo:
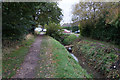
[{"x": 102, "y": 57}]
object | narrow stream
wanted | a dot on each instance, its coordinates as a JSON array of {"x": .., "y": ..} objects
[
  {"x": 70, "y": 51},
  {"x": 83, "y": 64},
  {"x": 74, "y": 57}
]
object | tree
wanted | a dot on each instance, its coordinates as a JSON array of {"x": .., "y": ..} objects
[
  {"x": 20, "y": 18},
  {"x": 99, "y": 20},
  {"x": 17, "y": 19},
  {"x": 48, "y": 12},
  {"x": 92, "y": 10}
]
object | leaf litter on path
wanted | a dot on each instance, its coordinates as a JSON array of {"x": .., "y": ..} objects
[{"x": 27, "y": 69}]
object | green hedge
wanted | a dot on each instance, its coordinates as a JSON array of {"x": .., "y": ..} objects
[
  {"x": 102, "y": 31},
  {"x": 70, "y": 39},
  {"x": 54, "y": 30}
]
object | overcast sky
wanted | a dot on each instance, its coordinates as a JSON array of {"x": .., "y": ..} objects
[{"x": 66, "y": 6}]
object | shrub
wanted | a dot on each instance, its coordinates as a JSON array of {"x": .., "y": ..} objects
[
  {"x": 75, "y": 28},
  {"x": 53, "y": 30},
  {"x": 70, "y": 39},
  {"x": 101, "y": 30},
  {"x": 62, "y": 37}
]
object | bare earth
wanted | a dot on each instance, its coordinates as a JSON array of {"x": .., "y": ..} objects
[{"x": 27, "y": 69}]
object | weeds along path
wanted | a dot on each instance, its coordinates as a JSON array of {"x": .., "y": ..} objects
[{"x": 27, "y": 69}]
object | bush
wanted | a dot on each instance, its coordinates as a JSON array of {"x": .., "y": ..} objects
[
  {"x": 75, "y": 28},
  {"x": 86, "y": 31},
  {"x": 62, "y": 37},
  {"x": 70, "y": 39},
  {"x": 106, "y": 32},
  {"x": 100, "y": 30},
  {"x": 54, "y": 30}
]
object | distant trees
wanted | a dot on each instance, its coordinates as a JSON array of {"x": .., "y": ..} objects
[
  {"x": 48, "y": 12},
  {"x": 98, "y": 20},
  {"x": 54, "y": 30},
  {"x": 20, "y": 18}
]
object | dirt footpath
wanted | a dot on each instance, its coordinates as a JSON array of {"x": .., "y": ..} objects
[{"x": 27, "y": 69}]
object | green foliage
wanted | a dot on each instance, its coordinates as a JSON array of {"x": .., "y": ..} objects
[
  {"x": 101, "y": 24},
  {"x": 62, "y": 37},
  {"x": 53, "y": 30},
  {"x": 75, "y": 28},
  {"x": 49, "y": 12},
  {"x": 98, "y": 55},
  {"x": 86, "y": 31},
  {"x": 86, "y": 27},
  {"x": 17, "y": 19},
  {"x": 106, "y": 32},
  {"x": 70, "y": 39},
  {"x": 21, "y": 18}
]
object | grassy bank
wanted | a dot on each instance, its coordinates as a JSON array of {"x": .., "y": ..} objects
[
  {"x": 101, "y": 56},
  {"x": 12, "y": 61},
  {"x": 64, "y": 66}
]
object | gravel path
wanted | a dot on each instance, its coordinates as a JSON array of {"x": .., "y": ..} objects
[{"x": 27, "y": 69}]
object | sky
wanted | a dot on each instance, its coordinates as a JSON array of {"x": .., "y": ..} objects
[{"x": 66, "y": 6}]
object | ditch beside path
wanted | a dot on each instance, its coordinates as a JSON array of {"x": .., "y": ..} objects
[{"x": 27, "y": 69}]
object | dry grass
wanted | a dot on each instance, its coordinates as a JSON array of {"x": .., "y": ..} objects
[{"x": 29, "y": 36}]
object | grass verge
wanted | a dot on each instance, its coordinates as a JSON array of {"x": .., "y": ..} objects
[
  {"x": 64, "y": 64},
  {"x": 12, "y": 61}
]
